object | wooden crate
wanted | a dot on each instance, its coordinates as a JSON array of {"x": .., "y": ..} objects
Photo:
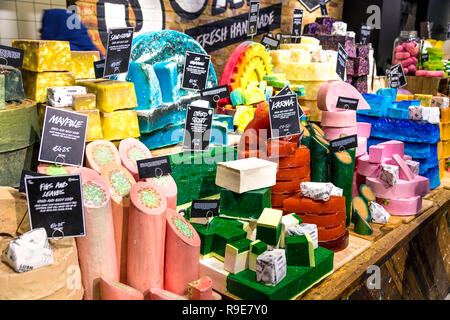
[{"x": 422, "y": 85}]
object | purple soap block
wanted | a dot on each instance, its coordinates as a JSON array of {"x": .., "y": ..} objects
[
  {"x": 350, "y": 48},
  {"x": 360, "y": 83},
  {"x": 325, "y": 21},
  {"x": 324, "y": 29},
  {"x": 310, "y": 28},
  {"x": 363, "y": 51},
  {"x": 361, "y": 66},
  {"x": 350, "y": 69}
]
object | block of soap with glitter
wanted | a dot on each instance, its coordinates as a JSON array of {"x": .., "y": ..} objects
[
  {"x": 36, "y": 83},
  {"x": 146, "y": 84},
  {"x": 119, "y": 125},
  {"x": 167, "y": 74},
  {"x": 83, "y": 64}
]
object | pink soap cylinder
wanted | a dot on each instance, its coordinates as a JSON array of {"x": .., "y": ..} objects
[
  {"x": 146, "y": 237},
  {"x": 329, "y": 93},
  {"x": 111, "y": 290},
  {"x": 97, "y": 250},
  {"x": 402, "y": 207},
  {"x": 332, "y": 133},
  {"x": 130, "y": 151},
  {"x": 169, "y": 188},
  {"x": 182, "y": 259},
  {"x": 339, "y": 118}
]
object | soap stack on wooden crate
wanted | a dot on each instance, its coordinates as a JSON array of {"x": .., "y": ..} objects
[
  {"x": 19, "y": 129},
  {"x": 358, "y": 67}
]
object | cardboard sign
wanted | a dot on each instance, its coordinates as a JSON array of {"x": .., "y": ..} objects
[
  {"x": 154, "y": 167},
  {"x": 347, "y": 103},
  {"x": 253, "y": 18},
  {"x": 63, "y": 137},
  {"x": 344, "y": 143},
  {"x": 213, "y": 95},
  {"x": 365, "y": 34},
  {"x": 396, "y": 77},
  {"x": 196, "y": 68},
  {"x": 270, "y": 43},
  {"x": 341, "y": 64},
  {"x": 56, "y": 204},
  {"x": 118, "y": 51},
  {"x": 297, "y": 22},
  {"x": 197, "y": 130},
  {"x": 99, "y": 68},
  {"x": 28, "y": 174},
  {"x": 323, "y": 8},
  {"x": 284, "y": 116},
  {"x": 205, "y": 208},
  {"x": 11, "y": 56}
]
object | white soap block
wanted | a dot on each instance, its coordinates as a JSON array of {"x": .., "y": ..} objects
[
  {"x": 287, "y": 221},
  {"x": 200, "y": 103},
  {"x": 378, "y": 213},
  {"x": 435, "y": 115},
  {"x": 235, "y": 262},
  {"x": 246, "y": 174},
  {"x": 339, "y": 28},
  {"x": 62, "y": 96},
  {"x": 271, "y": 267},
  {"x": 319, "y": 56},
  {"x": 331, "y": 56},
  {"x": 350, "y": 34},
  {"x": 414, "y": 166},
  {"x": 214, "y": 269},
  {"x": 29, "y": 251},
  {"x": 337, "y": 191},
  {"x": 306, "y": 228},
  {"x": 425, "y": 113},
  {"x": 389, "y": 174},
  {"x": 316, "y": 190}
]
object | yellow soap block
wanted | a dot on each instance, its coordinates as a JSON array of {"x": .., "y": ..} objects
[
  {"x": 112, "y": 95},
  {"x": 35, "y": 84},
  {"x": 300, "y": 46},
  {"x": 84, "y": 101},
  {"x": 311, "y": 71},
  {"x": 314, "y": 111},
  {"x": 280, "y": 56},
  {"x": 243, "y": 115},
  {"x": 45, "y": 55},
  {"x": 83, "y": 64},
  {"x": 441, "y": 169},
  {"x": 94, "y": 129},
  {"x": 41, "y": 107},
  {"x": 310, "y": 40},
  {"x": 425, "y": 99},
  {"x": 300, "y": 56},
  {"x": 119, "y": 125},
  {"x": 311, "y": 88}
]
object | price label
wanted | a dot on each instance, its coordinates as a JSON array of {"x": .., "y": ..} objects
[
  {"x": 118, "y": 51},
  {"x": 396, "y": 77},
  {"x": 253, "y": 18},
  {"x": 63, "y": 137},
  {"x": 154, "y": 167},
  {"x": 56, "y": 204},
  {"x": 99, "y": 68},
  {"x": 196, "y": 68},
  {"x": 284, "y": 116},
  {"x": 347, "y": 103},
  {"x": 297, "y": 22},
  {"x": 205, "y": 208},
  {"x": 270, "y": 43},
  {"x": 344, "y": 143},
  {"x": 213, "y": 95},
  {"x": 197, "y": 131},
  {"x": 27, "y": 174},
  {"x": 365, "y": 34},
  {"x": 341, "y": 65},
  {"x": 11, "y": 56}
]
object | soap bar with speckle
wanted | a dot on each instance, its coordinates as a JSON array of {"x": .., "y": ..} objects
[
  {"x": 94, "y": 129},
  {"x": 45, "y": 55},
  {"x": 167, "y": 74},
  {"x": 83, "y": 64},
  {"x": 119, "y": 125},
  {"x": 86, "y": 101},
  {"x": 36, "y": 83},
  {"x": 112, "y": 95},
  {"x": 146, "y": 84},
  {"x": 13, "y": 87}
]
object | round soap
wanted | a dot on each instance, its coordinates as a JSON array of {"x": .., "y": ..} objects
[
  {"x": 339, "y": 118},
  {"x": 130, "y": 151}
]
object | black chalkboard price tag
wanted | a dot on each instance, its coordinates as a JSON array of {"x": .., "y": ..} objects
[
  {"x": 341, "y": 62},
  {"x": 196, "y": 68},
  {"x": 286, "y": 38},
  {"x": 323, "y": 8},
  {"x": 11, "y": 56},
  {"x": 425, "y": 57},
  {"x": 344, "y": 143},
  {"x": 99, "y": 68},
  {"x": 396, "y": 77},
  {"x": 253, "y": 18},
  {"x": 28, "y": 174},
  {"x": 197, "y": 130},
  {"x": 204, "y": 208},
  {"x": 63, "y": 137},
  {"x": 56, "y": 204},
  {"x": 213, "y": 95},
  {"x": 118, "y": 51},
  {"x": 270, "y": 43},
  {"x": 287, "y": 90},
  {"x": 347, "y": 103},
  {"x": 154, "y": 167},
  {"x": 284, "y": 116},
  {"x": 365, "y": 34},
  {"x": 297, "y": 22}
]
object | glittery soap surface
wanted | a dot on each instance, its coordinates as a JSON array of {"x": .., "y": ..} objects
[
  {"x": 119, "y": 125},
  {"x": 93, "y": 194},
  {"x": 183, "y": 227},
  {"x": 169, "y": 45},
  {"x": 36, "y": 83},
  {"x": 120, "y": 183},
  {"x": 149, "y": 198}
]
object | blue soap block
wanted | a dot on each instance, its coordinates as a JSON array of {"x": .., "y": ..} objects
[
  {"x": 426, "y": 164},
  {"x": 405, "y": 104},
  {"x": 398, "y": 113},
  {"x": 174, "y": 134},
  {"x": 225, "y": 119},
  {"x": 388, "y": 92},
  {"x": 146, "y": 85},
  {"x": 237, "y": 97},
  {"x": 416, "y": 150},
  {"x": 379, "y": 105},
  {"x": 167, "y": 74},
  {"x": 433, "y": 175}
]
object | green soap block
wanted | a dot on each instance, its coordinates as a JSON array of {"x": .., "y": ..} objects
[
  {"x": 298, "y": 279},
  {"x": 209, "y": 187},
  {"x": 258, "y": 247},
  {"x": 278, "y": 83},
  {"x": 248, "y": 205},
  {"x": 12, "y": 163},
  {"x": 188, "y": 190},
  {"x": 2, "y": 91},
  {"x": 13, "y": 84},
  {"x": 241, "y": 245},
  {"x": 268, "y": 228},
  {"x": 300, "y": 251},
  {"x": 224, "y": 235},
  {"x": 206, "y": 238}
]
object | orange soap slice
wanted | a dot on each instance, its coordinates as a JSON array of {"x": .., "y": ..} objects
[
  {"x": 324, "y": 220},
  {"x": 293, "y": 186},
  {"x": 293, "y": 173},
  {"x": 306, "y": 205},
  {"x": 277, "y": 199},
  {"x": 280, "y": 148},
  {"x": 299, "y": 158},
  {"x": 332, "y": 233}
]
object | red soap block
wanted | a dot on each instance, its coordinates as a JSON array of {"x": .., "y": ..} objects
[
  {"x": 277, "y": 199},
  {"x": 299, "y": 158},
  {"x": 336, "y": 245},
  {"x": 288, "y": 174},
  {"x": 293, "y": 186},
  {"x": 110, "y": 290},
  {"x": 324, "y": 220},
  {"x": 200, "y": 289},
  {"x": 308, "y": 206},
  {"x": 279, "y": 148},
  {"x": 332, "y": 232}
]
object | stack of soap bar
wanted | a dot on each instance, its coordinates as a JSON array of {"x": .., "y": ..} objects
[
  {"x": 45, "y": 55},
  {"x": 94, "y": 130},
  {"x": 36, "y": 83},
  {"x": 86, "y": 101},
  {"x": 12, "y": 86},
  {"x": 62, "y": 96},
  {"x": 119, "y": 125},
  {"x": 305, "y": 228},
  {"x": 247, "y": 205},
  {"x": 83, "y": 64},
  {"x": 269, "y": 226},
  {"x": 112, "y": 95},
  {"x": 147, "y": 84},
  {"x": 300, "y": 251},
  {"x": 236, "y": 256},
  {"x": 167, "y": 74}
]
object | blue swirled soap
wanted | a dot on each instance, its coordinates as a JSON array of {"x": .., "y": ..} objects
[
  {"x": 167, "y": 74},
  {"x": 146, "y": 84}
]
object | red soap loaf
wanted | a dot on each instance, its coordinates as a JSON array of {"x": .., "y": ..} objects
[
  {"x": 278, "y": 199},
  {"x": 323, "y": 220},
  {"x": 100, "y": 153},
  {"x": 332, "y": 232},
  {"x": 336, "y": 245},
  {"x": 280, "y": 148},
  {"x": 169, "y": 188},
  {"x": 130, "y": 151}
]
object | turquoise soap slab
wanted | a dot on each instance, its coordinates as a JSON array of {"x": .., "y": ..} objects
[
  {"x": 146, "y": 85},
  {"x": 168, "y": 80}
]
